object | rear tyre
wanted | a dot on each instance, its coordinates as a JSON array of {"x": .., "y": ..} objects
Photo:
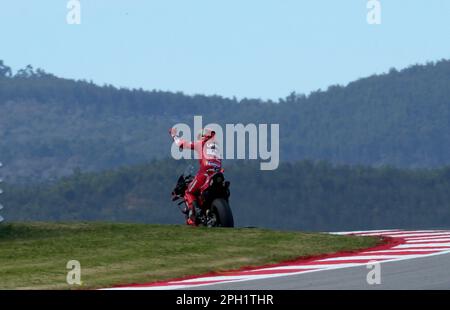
[{"x": 222, "y": 210}]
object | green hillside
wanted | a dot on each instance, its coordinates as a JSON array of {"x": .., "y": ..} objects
[{"x": 50, "y": 126}]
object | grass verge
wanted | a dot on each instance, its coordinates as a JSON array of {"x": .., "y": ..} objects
[{"x": 34, "y": 255}]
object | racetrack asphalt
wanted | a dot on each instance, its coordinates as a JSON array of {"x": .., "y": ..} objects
[{"x": 430, "y": 272}]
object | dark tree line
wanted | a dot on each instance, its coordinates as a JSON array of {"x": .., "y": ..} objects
[{"x": 302, "y": 195}]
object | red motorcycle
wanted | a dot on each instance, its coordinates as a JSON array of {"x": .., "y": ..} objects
[{"x": 212, "y": 201}]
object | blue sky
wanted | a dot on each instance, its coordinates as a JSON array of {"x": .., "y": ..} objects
[{"x": 252, "y": 48}]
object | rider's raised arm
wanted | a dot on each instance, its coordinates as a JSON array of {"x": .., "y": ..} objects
[{"x": 180, "y": 142}]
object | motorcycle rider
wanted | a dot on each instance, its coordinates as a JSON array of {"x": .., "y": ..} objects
[{"x": 210, "y": 162}]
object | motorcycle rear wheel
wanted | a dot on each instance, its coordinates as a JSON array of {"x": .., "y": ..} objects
[{"x": 222, "y": 211}]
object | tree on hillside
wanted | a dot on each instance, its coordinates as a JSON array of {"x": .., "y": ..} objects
[{"x": 5, "y": 71}]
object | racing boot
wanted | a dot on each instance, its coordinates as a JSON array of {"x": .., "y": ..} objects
[
  {"x": 193, "y": 214},
  {"x": 190, "y": 216},
  {"x": 197, "y": 210}
]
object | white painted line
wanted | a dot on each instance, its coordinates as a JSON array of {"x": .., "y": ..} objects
[
  {"x": 428, "y": 237},
  {"x": 399, "y": 234},
  {"x": 211, "y": 278},
  {"x": 403, "y": 250},
  {"x": 318, "y": 266},
  {"x": 418, "y": 235},
  {"x": 426, "y": 245},
  {"x": 428, "y": 240},
  {"x": 363, "y": 231},
  {"x": 237, "y": 278},
  {"x": 363, "y": 257}
]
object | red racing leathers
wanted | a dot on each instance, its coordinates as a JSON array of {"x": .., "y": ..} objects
[{"x": 210, "y": 162}]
